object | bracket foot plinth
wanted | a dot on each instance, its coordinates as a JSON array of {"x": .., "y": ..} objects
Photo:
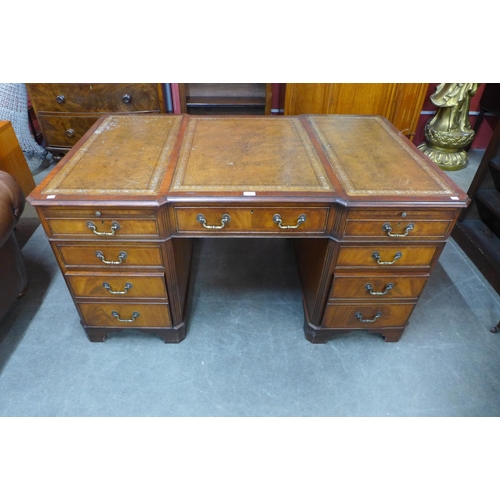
[
  {"x": 172, "y": 335},
  {"x": 318, "y": 335}
]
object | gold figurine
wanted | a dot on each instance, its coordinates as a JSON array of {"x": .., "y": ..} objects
[{"x": 449, "y": 132}]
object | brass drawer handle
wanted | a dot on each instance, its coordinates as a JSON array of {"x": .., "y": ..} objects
[
  {"x": 359, "y": 317},
  {"x": 70, "y": 132},
  {"x": 201, "y": 219},
  {"x": 127, "y": 98},
  {"x": 61, "y": 99},
  {"x": 279, "y": 221},
  {"x": 135, "y": 315},
  {"x": 387, "y": 228},
  {"x": 114, "y": 227},
  {"x": 121, "y": 257},
  {"x": 376, "y": 256},
  {"x": 125, "y": 290},
  {"x": 388, "y": 287}
]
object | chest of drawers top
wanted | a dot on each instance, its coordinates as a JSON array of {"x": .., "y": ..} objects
[{"x": 358, "y": 161}]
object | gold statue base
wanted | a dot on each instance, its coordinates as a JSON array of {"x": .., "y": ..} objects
[
  {"x": 445, "y": 159},
  {"x": 447, "y": 148}
]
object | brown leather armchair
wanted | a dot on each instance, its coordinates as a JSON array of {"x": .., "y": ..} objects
[{"x": 13, "y": 276}]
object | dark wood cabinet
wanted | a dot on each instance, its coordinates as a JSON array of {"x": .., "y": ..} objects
[{"x": 478, "y": 228}]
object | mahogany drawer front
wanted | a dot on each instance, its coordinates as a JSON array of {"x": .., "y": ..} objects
[
  {"x": 377, "y": 287},
  {"x": 386, "y": 256},
  {"x": 367, "y": 315},
  {"x": 65, "y": 130},
  {"x": 96, "y": 97},
  {"x": 248, "y": 219},
  {"x": 117, "y": 286},
  {"x": 107, "y": 229},
  {"x": 123, "y": 315},
  {"x": 109, "y": 212},
  {"x": 110, "y": 256},
  {"x": 392, "y": 229},
  {"x": 401, "y": 214}
]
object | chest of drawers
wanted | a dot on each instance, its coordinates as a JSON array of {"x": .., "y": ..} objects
[
  {"x": 368, "y": 214},
  {"x": 65, "y": 111}
]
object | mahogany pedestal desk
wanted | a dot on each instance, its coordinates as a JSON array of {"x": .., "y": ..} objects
[{"x": 368, "y": 213}]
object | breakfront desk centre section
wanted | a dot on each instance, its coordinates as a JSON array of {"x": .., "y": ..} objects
[{"x": 368, "y": 214}]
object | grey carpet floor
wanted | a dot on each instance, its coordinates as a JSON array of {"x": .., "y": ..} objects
[{"x": 245, "y": 353}]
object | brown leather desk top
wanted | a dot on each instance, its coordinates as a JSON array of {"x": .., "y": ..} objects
[{"x": 348, "y": 157}]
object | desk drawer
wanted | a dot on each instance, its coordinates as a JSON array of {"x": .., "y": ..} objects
[
  {"x": 110, "y": 256},
  {"x": 95, "y": 97},
  {"x": 377, "y": 287},
  {"x": 386, "y": 256},
  {"x": 367, "y": 315},
  {"x": 387, "y": 229},
  {"x": 402, "y": 214},
  {"x": 408, "y": 223},
  {"x": 284, "y": 220},
  {"x": 108, "y": 228},
  {"x": 117, "y": 286},
  {"x": 122, "y": 315}
]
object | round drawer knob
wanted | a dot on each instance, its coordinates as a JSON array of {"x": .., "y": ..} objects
[
  {"x": 61, "y": 99},
  {"x": 70, "y": 132},
  {"x": 127, "y": 98},
  {"x": 98, "y": 214}
]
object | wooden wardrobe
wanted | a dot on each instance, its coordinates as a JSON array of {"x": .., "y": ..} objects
[{"x": 400, "y": 103}]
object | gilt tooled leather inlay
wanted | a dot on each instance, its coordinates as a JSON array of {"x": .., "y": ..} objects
[
  {"x": 248, "y": 154},
  {"x": 126, "y": 154},
  {"x": 367, "y": 157}
]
